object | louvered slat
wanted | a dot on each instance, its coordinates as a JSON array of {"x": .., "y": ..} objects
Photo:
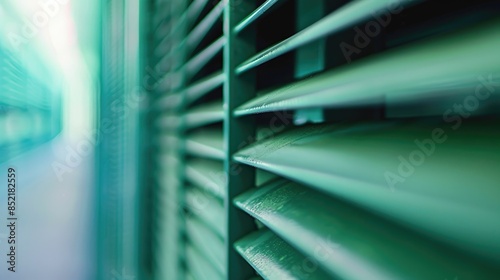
[
  {"x": 206, "y": 143},
  {"x": 189, "y": 15},
  {"x": 204, "y": 26},
  {"x": 207, "y": 174},
  {"x": 199, "y": 266},
  {"x": 195, "y": 9},
  {"x": 442, "y": 64},
  {"x": 199, "y": 89},
  {"x": 207, "y": 241},
  {"x": 258, "y": 13},
  {"x": 350, "y": 243},
  {"x": 194, "y": 92},
  {"x": 207, "y": 208},
  {"x": 273, "y": 258},
  {"x": 168, "y": 121},
  {"x": 348, "y": 15},
  {"x": 201, "y": 59},
  {"x": 353, "y": 162},
  {"x": 194, "y": 37},
  {"x": 205, "y": 114},
  {"x": 202, "y": 75}
]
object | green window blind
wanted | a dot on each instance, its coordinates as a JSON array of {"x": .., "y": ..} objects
[
  {"x": 320, "y": 139},
  {"x": 188, "y": 119}
]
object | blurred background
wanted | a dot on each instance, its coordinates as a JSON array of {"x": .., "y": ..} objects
[
  {"x": 49, "y": 80},
  {"x": 267, "y": 139}
]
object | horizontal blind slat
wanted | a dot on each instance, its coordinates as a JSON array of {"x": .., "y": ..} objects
[
  {"x": 417, "y": 71},
  {"x": 350, "y": 243},
  {"x": 355, "y": 162},
  {"x": 206, "y": 208},
  {"x": 210, "y": 245},
  {"x": 194, "y": 65},
  {"x": 199, "y": 266},
  {"x": 192, "y": 93},
  {"x": 206, "y": 143},
  {"x": 207, "y": 174},
  {"x": 273, "y": 258},
  {"x": 204, "y": 114},
  {"x": 257, "y": 14},
  {"x": 200, "y": 30},
  {"x": 348, "y": 15},
  {"x": 199, "y": 89}
]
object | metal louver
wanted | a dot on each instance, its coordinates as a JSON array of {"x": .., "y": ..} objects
[
  {"x": 283, "y": 149},
  {"x": 189, "y": 118}
]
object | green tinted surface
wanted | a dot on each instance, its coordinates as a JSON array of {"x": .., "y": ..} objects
[
  {"x": 207, "y": 208},
  {"x": 205, "y": 114},
  {"x": 273, "y": 258},
  {"x": 453, "y": 195},
  {"x": 196, "y": 63},
  {"x": 192, "y": 93},
  {"x": 348, "y": 242},
  {"x": 236, "y": 91},
  {"x": 199, "y": 266},
  {"x": 207, "y": 174},
  {"x": 190, "y": 15},
  {"x": 201, "y": 30},
  {"x": 199, "y": 89},
  {"x": 256, "y": 14},
  {"x": 195, "y": 9},
  {"x": 444, "y": 63},
  {"x": 210, "y": 245},
  {"x": 168, "y": 121},
  {"x": 206, "y": 143},
  {"x": 347, "y": 15}
]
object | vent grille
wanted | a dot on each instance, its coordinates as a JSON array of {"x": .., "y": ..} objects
[{"x": 317, "y": 139}]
